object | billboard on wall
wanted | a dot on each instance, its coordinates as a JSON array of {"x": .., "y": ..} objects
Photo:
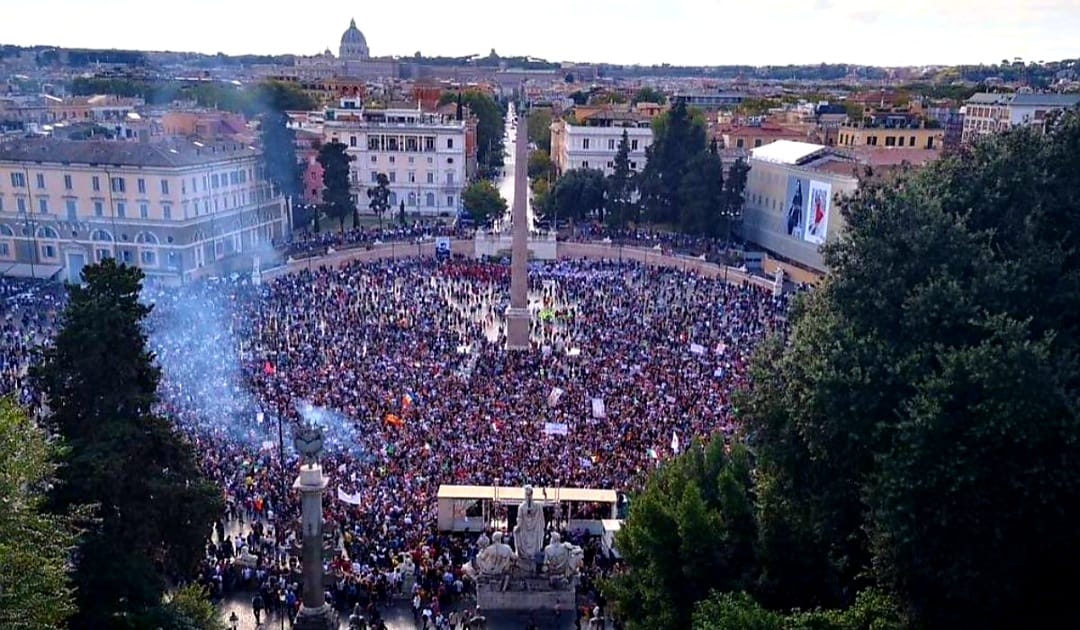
[
  {"x": 817, "y": 216},
  {"x": 796, "y": 202}
]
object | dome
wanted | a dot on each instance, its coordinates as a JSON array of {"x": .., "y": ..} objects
[{"x": 353, "y": 43}]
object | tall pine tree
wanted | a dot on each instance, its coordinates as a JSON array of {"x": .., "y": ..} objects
[
  {"x": 154, "y": 508},
  {"x": 620, "y": 189},
  {"x": 337, "y": 196}
]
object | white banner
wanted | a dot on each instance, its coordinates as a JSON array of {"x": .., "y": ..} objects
[
  {"x": 697, "y": 348},
  {"x": 556, "y": 428},
  {"x": 345, "y": 497},
  {"x": 599, "y": 410},
  {"x": 555, "y": 395}
]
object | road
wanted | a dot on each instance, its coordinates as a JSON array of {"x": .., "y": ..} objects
[{"x": 506, "y": 182}]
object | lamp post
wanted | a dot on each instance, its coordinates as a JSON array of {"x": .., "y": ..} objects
[{"x": 315, "y": 614}]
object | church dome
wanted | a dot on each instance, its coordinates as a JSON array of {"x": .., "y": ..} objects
[{"x": 353, "y": 43}]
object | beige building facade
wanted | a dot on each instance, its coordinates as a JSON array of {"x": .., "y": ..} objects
[
  {"x": 791, "y": 193},
  {"x": 172, "y": 208}
]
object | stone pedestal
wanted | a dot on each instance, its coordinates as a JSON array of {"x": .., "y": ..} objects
[
  {"x": 524, "y": 593},
  {"x": 321, "y": 618},
  {"x": 517, "y": 328},
  {"x": 315, "y": 614}
]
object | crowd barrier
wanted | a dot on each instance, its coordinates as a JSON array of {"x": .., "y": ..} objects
[{"x": 565, "y": 250}]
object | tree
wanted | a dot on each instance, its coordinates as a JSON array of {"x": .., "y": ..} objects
[
  {"x": 283, "y": 169},
  {"x": 734, "y": 196},
  {"x": 540, "y": 165},
  {"x": 155, "y": 508},
  {"x": 489, "y": 129},
  {"x": 337, "y": 196},
  {"x": 872, "y": 609},
  {"x": 35, "y": 589},
  {"x": 483, "y": 202},
  {"x": 620, "y": 209},
  {"x": 679, "y": 136},
  {"x": 539, "y": 122},
  {"x": 920, "y": 429},
  {"x": 188, "y": 608},
  {"x": 541, "y": 199},
  {"x": 578, "y": 194},
  {"x": 690, "y": 531},
  {"x": 649, "y": 95},
  {"x": 701, "y": 195},
  {"x": 379, "y": 194}
]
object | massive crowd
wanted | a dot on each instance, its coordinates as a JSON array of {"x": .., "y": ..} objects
[{"x": 403, "y": 363}]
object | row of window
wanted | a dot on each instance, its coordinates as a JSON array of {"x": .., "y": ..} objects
[
  {"x": 47, "y": 252},
  {"x": 119, "y": 184},
  {"x": 71, "y": 208},
  {"x": 612, "y": 144},
  {"x": 410, "y": 177},
  {"x": 412, "y": 200},
  {"x": 413, "y": 144}
]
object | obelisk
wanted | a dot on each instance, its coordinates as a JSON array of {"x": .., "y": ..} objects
[
  {"x": 517, "y": 316},
  {"x": 315, "y": 614}
]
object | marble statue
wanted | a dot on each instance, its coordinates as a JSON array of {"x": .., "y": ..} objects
[
  {"x": 562, "y": 560},
  {"x": 529, "y": 531},
  {"x": 493, "y": 560}
]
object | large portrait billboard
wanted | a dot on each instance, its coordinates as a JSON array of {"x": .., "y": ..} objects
[
  {"x": 796, "y": 202},
  {"x": 819, "y": 199}
]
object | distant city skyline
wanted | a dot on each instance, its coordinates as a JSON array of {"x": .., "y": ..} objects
[{"x": 679, "y": 32}]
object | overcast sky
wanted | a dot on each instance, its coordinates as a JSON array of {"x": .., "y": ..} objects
[{"x": 693, "y": 32}]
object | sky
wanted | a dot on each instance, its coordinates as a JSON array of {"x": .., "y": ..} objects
[{"x": 679, "y": 32}]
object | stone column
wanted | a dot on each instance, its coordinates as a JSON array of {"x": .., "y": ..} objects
[
  {"x": 315, "y": 614},
  {"x": 517, "y": 316}
]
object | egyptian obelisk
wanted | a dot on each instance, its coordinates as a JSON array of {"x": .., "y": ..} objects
[{"x": 517, "y": 316}]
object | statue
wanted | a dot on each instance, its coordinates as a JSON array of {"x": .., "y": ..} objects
[
  {"x": 562, "y": 560},
  {"x": 529, "y": 531},
  {"x": 493, "y": 560},
  {"x": 309, "y": 443}
]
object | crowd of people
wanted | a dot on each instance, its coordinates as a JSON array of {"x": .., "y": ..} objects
[{"x": 404, "y": 365}]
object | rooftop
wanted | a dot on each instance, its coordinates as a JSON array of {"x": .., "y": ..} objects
[
  {"x": 1048, "y": 100},
  {"x": 787, "y": 152},
  {"x": 174, "y": 153}
]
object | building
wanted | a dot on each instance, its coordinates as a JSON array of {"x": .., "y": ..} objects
[
  {"x": 985, "y": 113},
  {"x": 790, "y": 194},
  {"x": 1026, "y": 110},
  {"x": 170, "y": 207},
  {"x": 709, "y": 100},
  {"x": 353, "y": 44},
  {"x": 423, "y": 154},
  {"x": 594, "y": 143},
  {"x": 891, "y": 127},
  {"x": 751, "y": 134},
  {"x": 206, "y": 124}
]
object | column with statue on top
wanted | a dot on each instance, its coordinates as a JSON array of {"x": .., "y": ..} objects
[{"x": 315, "y": 614}]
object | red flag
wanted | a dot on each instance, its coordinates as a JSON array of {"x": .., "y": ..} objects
[{"x": 268, "y": 369}]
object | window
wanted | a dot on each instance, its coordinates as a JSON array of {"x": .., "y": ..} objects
[
  {"x": 5, "y": 251},
  {"x": 912, "y": 143},
  {"x": 99, "y": 209},
  {"x": 352, "y": 141},
  {"x": 890, "y": 141},
  {"x": 48, "y": 251},
  {"x": 164, "y": 186},
  {"x": 611, "y": 144},
  {"x": 144, "y": 211},
  {"x": 95, "y": 182},
  {"x": 412, "y": 177},
  {"x": 147, "y": 258},
  {"x": 41, "y": 180},
  {"x": 67, "y": 182},
  {"x": 633, "y": 145},
  {"x": 391, "y": 159},
  {"x": 611, "y": 164},
  {"x": 393, "y": 176},
  {"x": 585, "y": 164},
  {"x": 374, "y": 177},
  {"x": 757, "y": 142},
  {"x": 738, "y": 143},
  {"x": 374, "y": 159},
  {"x": 450, "y": 201},
  {"x": 585, "y": 143},
  {"x": 450, "y": 177},
  {"x": 431, "y": 178},
  {"x": 117, "y": 184},
  {"x": 449, "y": 143},
  {"x": 43, "y": 206},
  {"x": 125, "y": 255},
  {"x": 102, "y": 253},
  {"x": 72, "y": 210},
  {"x": 121, "y": 209},
  {"x": 18, "y": 180},
  {"x": 429, "y": 200},
  {"x": 141, "y": 184},
  {"x": 900, "y": 141},
  {"x": 633, "y": 165},
  {"x": 214, "y": 181},
  {"x": 166, "y": 210}
]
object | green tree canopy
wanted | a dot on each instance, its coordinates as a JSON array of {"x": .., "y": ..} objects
[
  {"x": 701, "y": 195},
  {"x": 649, "y": 95},
  {"x": 35, "y": 589},
  {"x": 490, "y": 126},
  {"x": 921, "y": 428},
  {"x": 620, "y": 208},
  {"x": 578, "y": 194},
  {"x": 483, "y": 201},
  {"x": 283, "y": 168},
  {"x": 379, "y": 196},
  {"x": 540, "y": 166},
  {"x": 337, "y": 195},
  {"x": 155, "y": 508},
  {"x": 678, "y": 137},
  {"x": 539, "y": 122}
]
